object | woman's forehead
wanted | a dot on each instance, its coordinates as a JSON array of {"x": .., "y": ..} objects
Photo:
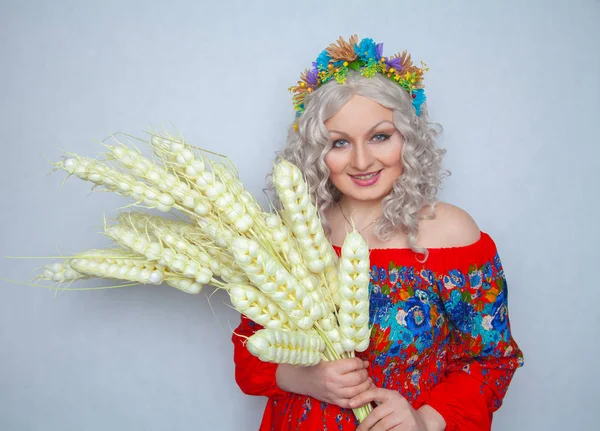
[{"x": 358, "y": 115}]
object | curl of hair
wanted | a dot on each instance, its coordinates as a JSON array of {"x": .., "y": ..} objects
[{"x": 421, "y": 176}]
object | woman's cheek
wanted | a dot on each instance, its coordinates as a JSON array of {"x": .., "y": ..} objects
[
  {"x": 333, "y": 163},
  {"x": 336, "y": 170}
]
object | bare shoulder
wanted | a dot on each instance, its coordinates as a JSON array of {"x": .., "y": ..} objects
[{"x": 451, "y": 227}]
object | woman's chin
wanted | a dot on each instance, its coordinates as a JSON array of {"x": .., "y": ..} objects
[{"x": 365, "y": 193}]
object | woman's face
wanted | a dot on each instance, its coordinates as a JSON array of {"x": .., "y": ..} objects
[{"x": 365, "y": 159}]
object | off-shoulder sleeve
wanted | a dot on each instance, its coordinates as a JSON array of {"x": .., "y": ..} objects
[
  {"x": 253, "y": 376},
  {"x": 482, "y": 353}
]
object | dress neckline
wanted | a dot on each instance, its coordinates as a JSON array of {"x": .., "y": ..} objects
[{"x": 483, "y": 238}]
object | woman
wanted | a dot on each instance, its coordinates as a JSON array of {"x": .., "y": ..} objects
[{"x": 441, "y": 354}]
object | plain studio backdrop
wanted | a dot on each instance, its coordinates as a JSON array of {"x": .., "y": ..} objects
[{"x": 514, "y": 83}]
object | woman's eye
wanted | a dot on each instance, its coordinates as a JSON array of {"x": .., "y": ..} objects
[
  {"x": 340, "y": 143},
  {"x": 381, "y": 137}
]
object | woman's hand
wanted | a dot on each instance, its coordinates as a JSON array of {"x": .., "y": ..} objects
[
  {"x": 395, "y": 413},
  {"x": 334, "y": 382}
]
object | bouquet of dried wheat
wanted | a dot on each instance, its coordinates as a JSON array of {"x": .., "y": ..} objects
[{"x": 278, "y": 267}]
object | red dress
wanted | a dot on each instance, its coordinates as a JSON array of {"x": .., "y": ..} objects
[{"x": 440, "y": 336}]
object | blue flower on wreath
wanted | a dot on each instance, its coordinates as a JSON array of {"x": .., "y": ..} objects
[
  {"x": 323, "y": 60},
  {"x": 418, "y": 317},
  {"x": 419, "y": 98},
  {"x": 366, "y": 49}
]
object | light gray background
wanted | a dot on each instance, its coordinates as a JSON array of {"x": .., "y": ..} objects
[{"x": 514, "y": 83}]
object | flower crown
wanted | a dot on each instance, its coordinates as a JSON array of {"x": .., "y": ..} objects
[{"x": 336, "y": 61}]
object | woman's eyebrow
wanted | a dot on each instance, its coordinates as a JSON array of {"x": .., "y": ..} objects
[{"x": 368, "y": 132}]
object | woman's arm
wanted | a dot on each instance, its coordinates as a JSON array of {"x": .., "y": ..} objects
[
  {"x": 482, "y": 354},
  {"x": 253, "y": 376},
  {"x": 333, "y": 382}
]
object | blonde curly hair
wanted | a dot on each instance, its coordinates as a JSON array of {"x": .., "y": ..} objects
[{"x": 421, "y": 177}]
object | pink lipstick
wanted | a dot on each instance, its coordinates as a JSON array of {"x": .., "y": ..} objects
[{"x": 365, "y": 180}]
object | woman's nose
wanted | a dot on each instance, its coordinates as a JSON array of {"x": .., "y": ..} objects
[{"x": 361, "y": 157}]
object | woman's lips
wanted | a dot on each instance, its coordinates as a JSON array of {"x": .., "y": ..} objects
[{"x": 366, "y": 182}]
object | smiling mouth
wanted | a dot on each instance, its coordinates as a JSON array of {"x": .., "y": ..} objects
[{"x": 366, "y": 176}]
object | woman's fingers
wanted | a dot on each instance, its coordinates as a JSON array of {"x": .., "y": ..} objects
[
  {"x": 394, "y": 411},
  {"x": 353, "y": 391},
  {"x": 354, "y": 378},
  {"x": 378, "y": 395},
  {"x": 348, "y": 365},
  {"x": 389, "y": 422},
  {"x": 377, "y": 415}
]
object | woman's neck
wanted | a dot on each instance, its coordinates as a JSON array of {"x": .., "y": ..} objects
[{"x": 360, "y": 211}]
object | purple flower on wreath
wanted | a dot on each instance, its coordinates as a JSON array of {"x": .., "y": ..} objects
[
  {"x": 312, "y": 75},
  {"x": 323, "y": 60},
  {"x": 378, "y": 51},
  {"x": 395, "y": 63}
]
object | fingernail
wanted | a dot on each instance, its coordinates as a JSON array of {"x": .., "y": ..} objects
[{"x": 351, "y": 403}]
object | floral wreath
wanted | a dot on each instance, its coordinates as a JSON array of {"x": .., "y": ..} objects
[{"x": 336, "y": 61}]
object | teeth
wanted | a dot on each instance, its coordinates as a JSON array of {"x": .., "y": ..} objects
[{"x": 365, "y": 177}]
